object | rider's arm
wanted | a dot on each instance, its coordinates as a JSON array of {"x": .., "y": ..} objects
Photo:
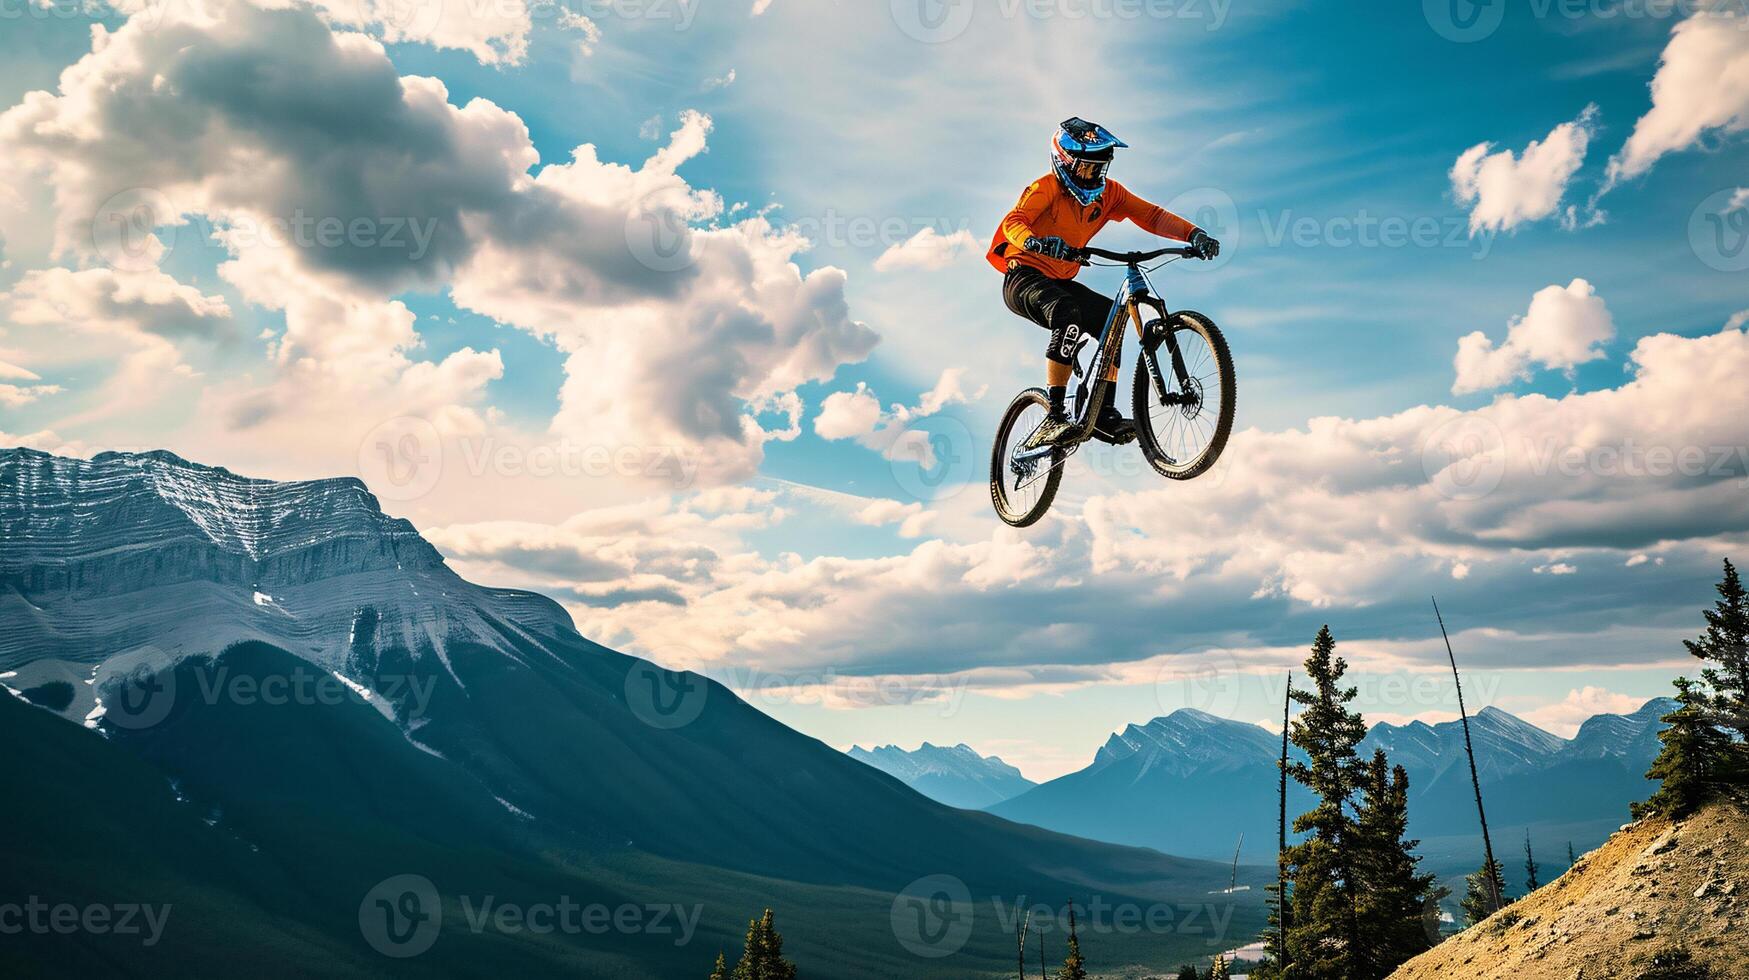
[
  {"x": 1018, "y": 225},
  {"x": 1148, "y": 215}
]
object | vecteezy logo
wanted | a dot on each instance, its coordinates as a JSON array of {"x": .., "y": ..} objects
[
  {"x": 932, "y": 21},
  {"x": 658, "y": 236},
  {"x": 138, "y": 688},
  {"x": 1718, "y": 230},
  {"x": 665, "y": 699},
  {"x": 124, "y": 229},
  {"x": 932, "y": 916},
  {"x": 1214, "y": 211},
  {"x": 408, "y": 20},
  {"x": 1465, "y": 457},
  {"x": 401, "y": 916},
  {"x": 1212, "y": 685},
  {"x": 1464, "y": 21},
  {"x": 401, "y": 459},
  {"x": 932, "y": 458}
]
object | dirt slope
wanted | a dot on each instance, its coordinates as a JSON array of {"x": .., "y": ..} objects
[{"x": 1658, "y": 901}]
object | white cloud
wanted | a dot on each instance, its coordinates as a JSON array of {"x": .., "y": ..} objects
[
  {"x": 718, "y": 81},
  {"x": 912, "y": 519},
  {"x": 18, "y": 396},
  {"x": 760, "y": 7},
  {"x": 572, "y": 21},
  {"x": 1565, "y": 326},
  {"x": 928, "y": 249},
  {"x": 858, "y": 415},
  {"x": 706, "y": 339},
  {"x": 1702, "y": 85},
  {"x": 1566, "y": 715},
  {"x": 494, "y": 33},
  {"x": 46, "y": 440},
  {"x": 1507, "y": 191},
  {"x": 134, "y": 325},
  {"x": 848, "y": 414},
  {"x": 1344, "y": 514},
  {"x": 1338, "y": 512}
]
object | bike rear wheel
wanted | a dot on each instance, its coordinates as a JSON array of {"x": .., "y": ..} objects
[
  {"x": 1183, "y": 423},
  {"x": 1022, "y": 492}
]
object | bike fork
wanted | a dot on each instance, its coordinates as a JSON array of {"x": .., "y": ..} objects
[{"x": 1152, "y": 360}]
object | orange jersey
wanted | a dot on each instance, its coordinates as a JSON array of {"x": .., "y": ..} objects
[{"x": 1046, "y": 210}]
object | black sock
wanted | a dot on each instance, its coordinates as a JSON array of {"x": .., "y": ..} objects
[{"x": 1057, "y": 394}]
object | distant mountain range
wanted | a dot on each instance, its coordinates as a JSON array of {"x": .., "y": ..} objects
[
  {"x": 957, "y": 776},
  {"x": 272, "y": 698},
  {"x": 1191, "y": 783}
]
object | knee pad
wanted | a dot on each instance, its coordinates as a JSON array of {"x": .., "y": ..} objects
[{"x": 1064, "y": 340}]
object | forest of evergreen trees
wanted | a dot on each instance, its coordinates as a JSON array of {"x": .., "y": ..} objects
[{"x": 1356, "y": 904}]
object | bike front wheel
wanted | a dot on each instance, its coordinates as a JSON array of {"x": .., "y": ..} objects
[
  {"x": 1022, "y": 490},
  {"x": 1183, "y": 398}
]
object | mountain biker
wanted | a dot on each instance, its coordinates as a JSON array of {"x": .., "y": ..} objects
[{"x": 1034, "y": 247}]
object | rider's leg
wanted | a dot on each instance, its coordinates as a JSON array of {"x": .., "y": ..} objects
[
  {"x": 1057, "y": 385},
  {"x": 1051, "y": 304},
  {"x": 1111, "y": 426}
]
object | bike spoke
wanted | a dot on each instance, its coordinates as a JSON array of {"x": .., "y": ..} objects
[{"x": 1185, "y": 429}]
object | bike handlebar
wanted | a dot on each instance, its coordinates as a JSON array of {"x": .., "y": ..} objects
[{"x": 1131, "y": 258}]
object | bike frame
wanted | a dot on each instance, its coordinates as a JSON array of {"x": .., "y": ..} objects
[{"x": 1135, "y": 293}]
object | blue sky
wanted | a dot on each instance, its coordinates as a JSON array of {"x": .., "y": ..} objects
[{"x": 840, "y": 177}]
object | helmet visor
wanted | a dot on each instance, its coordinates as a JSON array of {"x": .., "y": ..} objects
[{"x": 1086, "y": 172}]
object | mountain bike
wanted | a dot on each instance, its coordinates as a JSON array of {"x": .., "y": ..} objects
[{"x": 1182, "y": 402}]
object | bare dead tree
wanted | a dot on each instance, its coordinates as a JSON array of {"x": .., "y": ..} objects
[
  {"x": 1281, "y": 840},
  {"x": 1044, "y": 974},
  {"x": 1020, "y": 957},
  {"x": 1475, "y": 781}
]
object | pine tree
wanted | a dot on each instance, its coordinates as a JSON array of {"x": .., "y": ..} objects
[
  {"x": 1271, "y": 967},
  {"x": 1391, "y": 891},
  {"x": 1188, "y": 972},
  {"x": 1478, "y": 902},
  {"x": 1726, "y": 645},
  {"x": 762, "y": 957},
  {"x": 721, "y": 970},
  {"x": 1219, "y": 970},
  {"x": 1073, "y": 968},
  {"x": 1695, "y": 761},
  {"x": 1572, "y": 859},
  {"x": 1324, "y": 937}
]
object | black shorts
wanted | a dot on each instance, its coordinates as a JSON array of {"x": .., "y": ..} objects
[{"x": 1065, "y": 307}]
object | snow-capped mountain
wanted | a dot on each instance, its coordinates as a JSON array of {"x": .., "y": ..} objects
[
  {"x": 338, "y": 708},
  {"x": 124, "y": 550},
  {"x": 1504, "y": 744},
  {"x": 1191, "y": 782},
  {"x": 1188, "y": 742},
  {"x": 1632, "y": 738},
  {"x": 956, "y": 775}
]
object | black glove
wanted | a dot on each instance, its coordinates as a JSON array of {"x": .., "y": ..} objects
[
  {"x": 1206, "y": 248},
  {"x": 1051, "y": 248}
]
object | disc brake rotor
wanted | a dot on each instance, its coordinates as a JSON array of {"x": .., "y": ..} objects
[{"x": 1191, "y": 406}]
